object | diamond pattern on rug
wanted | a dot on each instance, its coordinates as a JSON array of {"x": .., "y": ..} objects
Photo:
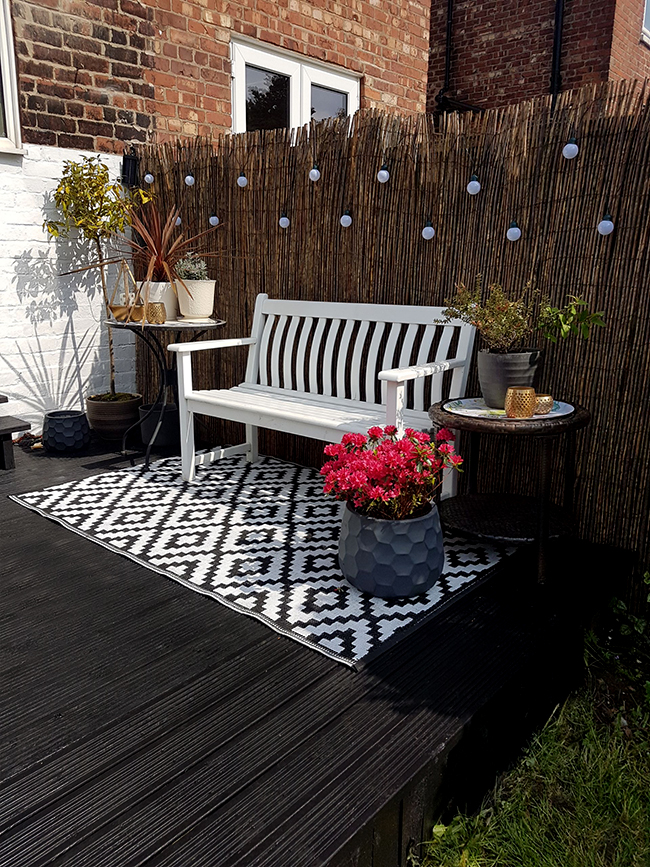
[{"x": 260, "y": 538}]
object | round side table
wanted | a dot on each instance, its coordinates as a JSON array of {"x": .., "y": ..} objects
[{"x": 510, "y": 517}]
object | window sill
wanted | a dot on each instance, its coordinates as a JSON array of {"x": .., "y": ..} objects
[
  {"x": 11, "y": 149},
  {"x": 645, "y": 38}
]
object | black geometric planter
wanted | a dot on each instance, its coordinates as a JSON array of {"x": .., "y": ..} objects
[{"x": 65, "y": 430}]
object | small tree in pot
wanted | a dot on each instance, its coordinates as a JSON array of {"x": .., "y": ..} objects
[
  {"x": 96, "y": 209},
  {"x": 508, "y": 328}
]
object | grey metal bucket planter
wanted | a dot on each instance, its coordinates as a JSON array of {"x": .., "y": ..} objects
[
  {"x": 391, "y": 558},
  {"x": 498, "y": 371}
]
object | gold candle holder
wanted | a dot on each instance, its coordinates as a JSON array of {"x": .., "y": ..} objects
[
  {"x": 544, "y": 404},
  {"x": 521, "y": 402},
  {"x": 156, "y": 313}
]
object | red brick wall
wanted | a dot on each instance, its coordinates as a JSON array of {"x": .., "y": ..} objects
[
  {"x": 630, "y": 54},
  {"x": 386, "y": 42},
  {"x": 80, "y": 67},
  {"x": 502, "y": 49},
  {"x": 96, "y": 74}
]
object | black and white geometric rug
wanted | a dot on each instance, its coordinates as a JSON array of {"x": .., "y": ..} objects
[{"x": 260, "y": 538}]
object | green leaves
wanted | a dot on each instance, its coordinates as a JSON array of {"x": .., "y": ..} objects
[
  {"x": 90, "y": 203},
  {"x": 573, "y": 318}
]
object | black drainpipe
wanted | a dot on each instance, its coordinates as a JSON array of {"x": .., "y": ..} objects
[{"x": 556, "y": 76}]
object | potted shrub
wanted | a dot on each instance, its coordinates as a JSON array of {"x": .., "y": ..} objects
[
  {"x": 158, "y": 250},
  {"x": 391, "y": 541},
  {"x": 95, "y": 208},
  {"x": 195, "y": 290},
  {"x": 508, "y": 328}
]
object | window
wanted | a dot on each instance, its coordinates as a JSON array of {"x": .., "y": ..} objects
[
  {"x": 9, "y": 111},
  {"x": 645, "y": 33},
  {"x": 275, "y": 89}
]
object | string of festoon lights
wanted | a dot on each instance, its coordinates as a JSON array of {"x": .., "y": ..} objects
[{"x": 513, "y": 233}]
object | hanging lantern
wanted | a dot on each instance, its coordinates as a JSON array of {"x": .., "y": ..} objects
[
  {"x": 314, "y": 174},
  {"x": 606, "y": 226},
  {"x": 346, "y": 220},
  {"x": 383, "y": 174},
  {"x": 148, "y": 178},
  {"x": 428, "y": 232},
  {"x": 284, "y": 222},
  {"x": 473, "y": 188},
  {"x": 242, "y": 180},
  {"x": 213, "y": 220},
  {"x": 189, "y": 180},
  {"x": 514, "y": 232},
  {"x": 570, "y": 149}
]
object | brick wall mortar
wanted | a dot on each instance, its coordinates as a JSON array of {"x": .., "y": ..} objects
[{"x": 52, "y": 342}]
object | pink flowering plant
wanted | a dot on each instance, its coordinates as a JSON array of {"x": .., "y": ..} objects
[{"x": 386, "y": 476}]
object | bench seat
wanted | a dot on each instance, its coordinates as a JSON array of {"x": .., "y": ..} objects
[
  {"x": 302, "y": 414},
  {"x": 321, "y": 369}
]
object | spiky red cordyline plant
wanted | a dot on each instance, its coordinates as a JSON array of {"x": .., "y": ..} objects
[{"x": 159, "y": 252}]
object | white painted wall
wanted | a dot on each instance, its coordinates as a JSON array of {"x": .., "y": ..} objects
[{"x": 53, "y": 344}]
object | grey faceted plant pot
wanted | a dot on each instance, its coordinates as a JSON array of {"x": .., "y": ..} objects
[
  {"x": 65, "y": 430},
  {"x": 391, "y": 558},
  {"x": 499, "y": 371}
]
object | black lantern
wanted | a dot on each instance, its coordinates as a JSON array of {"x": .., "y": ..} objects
[{"x": 130, "y": 167}]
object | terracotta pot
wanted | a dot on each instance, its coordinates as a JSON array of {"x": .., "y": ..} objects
[
  {"x": 201, "y": 304},
  {"x": 499, "y": 371},
  {"x": 162, "y": 292},
  {"x": 110, "y": 419},
  {"x": 391, "y": 558}
]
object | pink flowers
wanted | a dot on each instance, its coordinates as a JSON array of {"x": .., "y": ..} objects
[{"x": 387, "y": 477}]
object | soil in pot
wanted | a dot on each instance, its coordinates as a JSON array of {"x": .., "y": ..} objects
[
  {"x": 499, "y": 371},
  {"x": 111, "y": 415}
]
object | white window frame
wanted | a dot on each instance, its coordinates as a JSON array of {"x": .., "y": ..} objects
[
  {"x": 645, "y": 33},
  {"x": 301, "y": 72},
  {"x": 11, "y": 143}
]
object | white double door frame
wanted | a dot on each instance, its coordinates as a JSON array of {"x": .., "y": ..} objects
[{"x": 302, "y": 74}]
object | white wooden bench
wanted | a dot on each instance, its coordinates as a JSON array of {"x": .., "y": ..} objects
[{"x": 321, "y": 369}]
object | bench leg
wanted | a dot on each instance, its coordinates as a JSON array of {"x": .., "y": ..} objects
[
  {"x": 6, "y": 453},
  {"x": 188, "y": 457},
  {"x": 251, "y": 439}
]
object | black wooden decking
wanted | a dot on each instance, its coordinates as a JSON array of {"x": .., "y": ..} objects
[{"x": 146, "y": 724}]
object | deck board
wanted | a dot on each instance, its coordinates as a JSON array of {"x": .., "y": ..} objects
[{"x": 146, "y": 724}]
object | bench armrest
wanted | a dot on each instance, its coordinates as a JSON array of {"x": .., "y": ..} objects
[
  {"x": 197, "y": 345},
  {"x": 402, "y": 374}
]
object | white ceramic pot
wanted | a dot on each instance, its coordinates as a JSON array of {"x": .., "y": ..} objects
[
  {"x": 201, "y": 304},
  {"x": 162, "y": 292}
]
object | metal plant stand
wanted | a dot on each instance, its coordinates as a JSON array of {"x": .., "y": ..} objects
[
  {"x": 153, "y": 336},
  {"x": 510, "y": 517}
]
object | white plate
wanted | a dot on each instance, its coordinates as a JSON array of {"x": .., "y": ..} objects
[{"x": 475, "y": 407}]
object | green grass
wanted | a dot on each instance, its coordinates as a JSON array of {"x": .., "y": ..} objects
[{"x": 580, "y": 795}]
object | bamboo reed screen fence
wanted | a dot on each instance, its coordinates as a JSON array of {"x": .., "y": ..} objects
[{"x": 517, "y": 154}]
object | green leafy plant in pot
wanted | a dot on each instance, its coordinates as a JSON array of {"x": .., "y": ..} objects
[
  {"x": 508, "y": 328},
  {"x": 95, "y": 209}
]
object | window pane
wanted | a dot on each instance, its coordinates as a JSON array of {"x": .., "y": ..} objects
[
  {"x": 267, "y": 99},
  {"x": 646, "y": 17},
  {"x": 327, "y": 103},
  {"x": 3, "y": 122}
]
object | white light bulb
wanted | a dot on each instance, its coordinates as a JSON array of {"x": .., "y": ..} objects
[
  {"x": 514, "y": 232},
  {"x": 383, "y": 175},
  {"x": 284, "y": 222},
  {"x": 242, "y": 180},
  {"x": 189, "y": 180},
  {"x": 178, "y": 221},
  {"x": 570, "y": 149},
  {"x": 148, "y": 178},
  {"x": 346, "y": 220},
  {"x": 314, "y": 174},
  {"x": 428, "y": 232},
  {"x": 214, "y": 220},
  {"x": 606, "y": 226},
  {"x": 473, "y": 187}
]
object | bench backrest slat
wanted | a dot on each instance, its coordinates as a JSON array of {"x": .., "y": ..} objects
[{"x": 338, "y": 349}]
